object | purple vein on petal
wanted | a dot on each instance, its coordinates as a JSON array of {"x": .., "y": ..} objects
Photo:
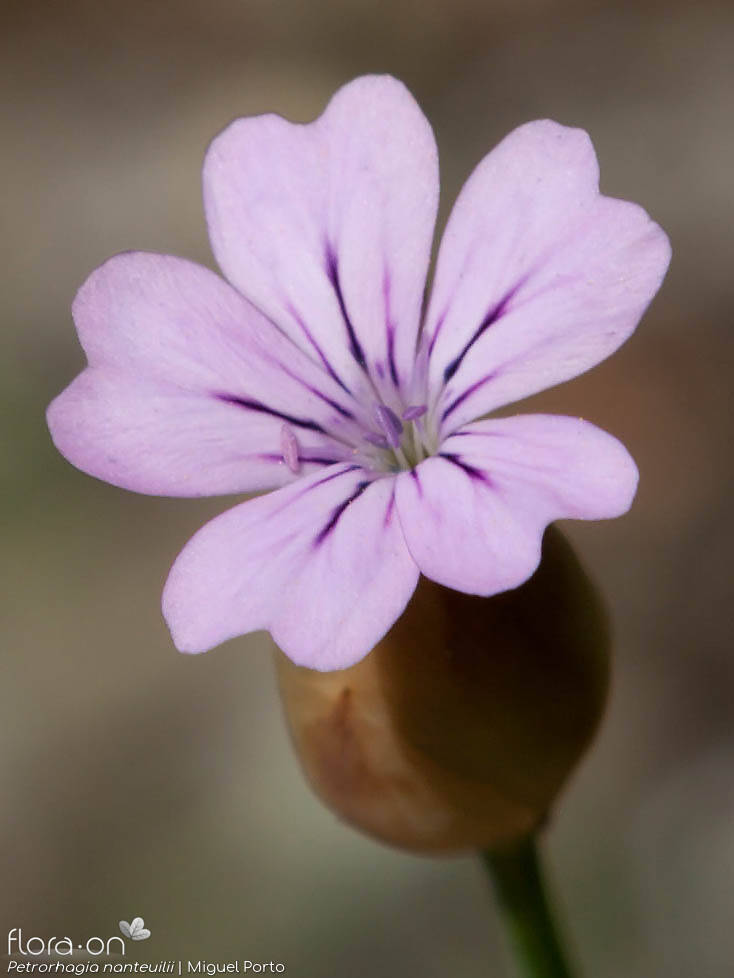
[
  {"x": 263, "y": 409},
  {"x": 333, "y": 475},
  {"x": 301, "y": 490},
  {"x": 345, "y": 413},
  {"x": 494, "y": 313},
  {"x": 391, "y": 354},
  {"x": 474, "y": 433},
  {"x": 444, "y": 314},
  {"x": 470, "y": 470},
  {"x": 317, "y": 460},
  {"x": 390, "y": 329},
  {"x": 305, "y": 490},
  {"x": 467, "y": 393},
  {"x": 389, "y": 510},
  {"x": 333, "y": 404},
  {"x": 306, "y": 459},
  {"x": 339, "y": 510},
  {"x": 439, "y": 324},
  {"x": 322, "y": 356},
  {"x": 332, "y": 270},
  {"x": 416, "y": 478}
]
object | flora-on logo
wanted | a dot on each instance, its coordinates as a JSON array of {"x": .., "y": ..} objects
[
  {"x": 61, "y": 945},
  {"x": 135, "y": 930}
]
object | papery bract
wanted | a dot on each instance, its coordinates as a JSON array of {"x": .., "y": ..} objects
[{"x": 313, "y": 374}]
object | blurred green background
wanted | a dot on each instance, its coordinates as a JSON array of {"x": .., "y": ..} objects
[{"x": 140, "y": 782}]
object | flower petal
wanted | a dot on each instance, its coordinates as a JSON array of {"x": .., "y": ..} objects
[
  {"x": 321, "y": 563},
  {"x": 538, "y": 277},
  {"x": 166, "y": 441},
  {"x": 189, "y": 385},
  {"x": 327, "y": 227},
  {"x": 474, "y": 515}
]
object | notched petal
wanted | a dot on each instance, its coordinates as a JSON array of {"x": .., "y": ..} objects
[
  {"x": 327, "y": 226},
  {"x": 321, "y": 564},
  {"x": 474, "y": 515},
  {"x": 538, "y": 277}
]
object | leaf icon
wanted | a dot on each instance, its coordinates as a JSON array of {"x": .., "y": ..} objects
[{"x": 136, "y": 931}]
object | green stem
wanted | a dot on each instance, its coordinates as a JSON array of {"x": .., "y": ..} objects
[{"x": 516, "y": 874}]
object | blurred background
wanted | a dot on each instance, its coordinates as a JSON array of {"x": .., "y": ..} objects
[{"x": 136, "y": 781}]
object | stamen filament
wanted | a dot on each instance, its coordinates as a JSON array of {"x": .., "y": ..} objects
[{"x": 402, "y": 460}]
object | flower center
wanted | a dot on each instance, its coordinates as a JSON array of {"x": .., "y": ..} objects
[
  {"x": 400, "y": 443},
  {"x": 394, "y": 443}
]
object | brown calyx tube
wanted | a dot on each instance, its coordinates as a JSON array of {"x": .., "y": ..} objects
[{"x": 462, "y": 725}]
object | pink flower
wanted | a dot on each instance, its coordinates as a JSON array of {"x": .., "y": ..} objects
[{"x": 314, "y": 372}]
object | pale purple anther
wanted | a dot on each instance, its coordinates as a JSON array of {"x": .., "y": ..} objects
[
  {"x": 197, "y": 386},
  {"x": 390, "y": 424},
  {"x": 289, "y": 448},
  {"x": 378, "y": 440}
]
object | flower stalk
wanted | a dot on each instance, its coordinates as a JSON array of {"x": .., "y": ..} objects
[{"x": 517, "y": 878}]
